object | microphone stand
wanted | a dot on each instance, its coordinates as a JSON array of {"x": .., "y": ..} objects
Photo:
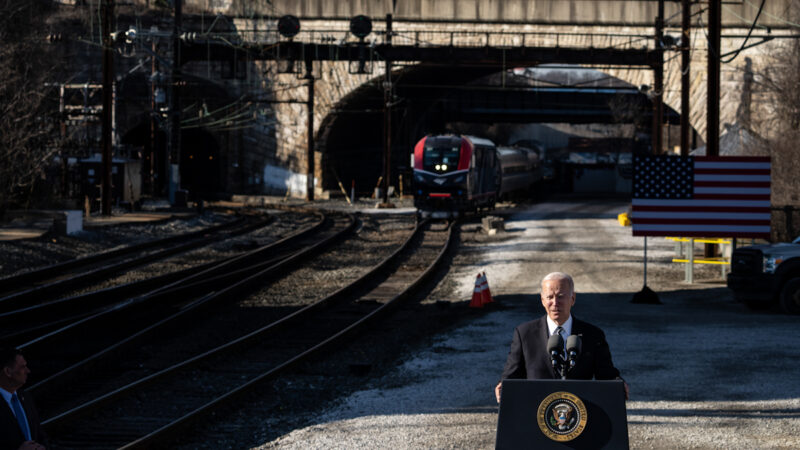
[{"x": 559, "y": 364}]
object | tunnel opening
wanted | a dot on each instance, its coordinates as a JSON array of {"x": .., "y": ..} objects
[{"x": 584, "y": 122}]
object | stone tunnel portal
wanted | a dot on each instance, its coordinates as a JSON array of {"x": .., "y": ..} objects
[{"x": 506, "y": 107}]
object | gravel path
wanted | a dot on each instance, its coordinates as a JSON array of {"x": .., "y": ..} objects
[{"x": 704, "y": 372}]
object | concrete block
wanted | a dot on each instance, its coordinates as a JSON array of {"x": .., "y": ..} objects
[
  {"x": 69, "y": 222},
  {"x": 492, "y": 224}
]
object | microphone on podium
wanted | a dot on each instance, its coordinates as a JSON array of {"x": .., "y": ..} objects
[
  {"x": 573, "y": 349},
  {"x": 555, "y": 347}
]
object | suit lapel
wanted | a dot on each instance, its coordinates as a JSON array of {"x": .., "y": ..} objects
[
  {"x": 544, "y": 336},
  {"x": 7, "y": 416},
  {"x": 579, "y": 328}
]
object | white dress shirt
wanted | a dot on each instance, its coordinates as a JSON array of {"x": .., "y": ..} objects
[{"x": 551, "y": 327}]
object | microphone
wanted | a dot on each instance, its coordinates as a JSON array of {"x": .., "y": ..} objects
[
  {"x": 555, "y": 346},
  {"x": 573, "y": 349}
]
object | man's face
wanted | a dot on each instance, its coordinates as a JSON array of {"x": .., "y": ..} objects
[
  {"x": 17, "y": 373},
  {"x": 557, "y": 299}
]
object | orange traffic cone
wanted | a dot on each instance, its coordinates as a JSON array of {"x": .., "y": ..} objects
[
  {"x": 486, "y": 294},
  {"x": 477, "y": 298}
]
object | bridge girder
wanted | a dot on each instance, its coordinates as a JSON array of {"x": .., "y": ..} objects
[{"x": 442, "y": 55}]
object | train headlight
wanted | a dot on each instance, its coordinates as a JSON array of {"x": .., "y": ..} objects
[{"x": 444, "y": 167}]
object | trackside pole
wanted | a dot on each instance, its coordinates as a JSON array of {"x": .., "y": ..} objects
[{"x": 646, "y": 295}]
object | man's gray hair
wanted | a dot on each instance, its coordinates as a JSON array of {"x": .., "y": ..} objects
[{"x": 558, "y": 276}]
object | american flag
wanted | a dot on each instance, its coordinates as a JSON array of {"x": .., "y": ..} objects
[{"x": 701, "y": 196}]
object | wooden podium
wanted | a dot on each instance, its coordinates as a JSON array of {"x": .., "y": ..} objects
[{"x": 562, "y": 414}]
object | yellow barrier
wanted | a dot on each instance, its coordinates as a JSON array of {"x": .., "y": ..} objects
[
  {"x": 704, "y": 261},
  {"x": 684, "y": 247},
  {"x": 700, "y": 240}
]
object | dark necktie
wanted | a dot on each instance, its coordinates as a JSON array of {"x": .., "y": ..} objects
[
  {"x": 560, "y": 331},
  {"x": 23, "y": 424}
]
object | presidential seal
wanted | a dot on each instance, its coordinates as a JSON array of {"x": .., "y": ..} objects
[{"x": 561, "y": 416}]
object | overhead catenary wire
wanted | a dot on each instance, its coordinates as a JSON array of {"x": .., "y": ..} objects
[
  {"x": 749, "y": 33},
  {"x": 773, "y": 16}
]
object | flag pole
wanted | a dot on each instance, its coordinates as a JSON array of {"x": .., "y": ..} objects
[{"x": 646, "y": 295}]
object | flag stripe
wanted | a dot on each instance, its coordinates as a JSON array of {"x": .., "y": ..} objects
[
  {"x": 727, "y": 196},
  {"x": 765, "y": 235},
  {"x": 704, "y": 209},
  {"x": 731, "y": 178},
  {"x": 712, "y": 221},
  {"x": 751, "y": 159},
  {"x": 763, "y": 216},
  {"x": 732, "y": 171},
  {"x": 753, "y": 184},
  {"x": 731, "y": 190},
  {"x": 731, "y": 165},
  {"x": 701, "y": 203},
  {"x": 705, "y": 228}
]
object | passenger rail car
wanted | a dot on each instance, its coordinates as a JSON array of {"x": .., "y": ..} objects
[
  {"x": 455, "y": 174},
  {"x": 520, "y": 171}
]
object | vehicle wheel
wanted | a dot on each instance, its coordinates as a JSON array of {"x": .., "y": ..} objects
[{"x": 790, "y": 296}]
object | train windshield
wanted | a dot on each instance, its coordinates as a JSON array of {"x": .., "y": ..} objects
[{"x": 440, "y": 159}]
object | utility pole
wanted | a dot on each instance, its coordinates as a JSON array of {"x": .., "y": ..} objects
[
  {"x": 174, "y": 153},
  {"x": 712, "y": 125},
  {"x": 712, "y": 121},
  {"x": 658, "y": 83},
  {"x": 387, "y": 117},
  {"x": 151, "y": 169},
  {"x": 685, "y": 66},
  {"x": 108, "y": 81},
  {"x": 310, "y": 155}
]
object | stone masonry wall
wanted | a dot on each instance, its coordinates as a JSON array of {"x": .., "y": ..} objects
[{"x": 334, "y": 82}]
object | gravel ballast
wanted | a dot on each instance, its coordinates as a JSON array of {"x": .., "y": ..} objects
[{"x": 705, "y": 372}]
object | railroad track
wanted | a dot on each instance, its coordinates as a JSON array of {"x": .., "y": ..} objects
[
  {"x": 135, "y": 415},
  {"x": 70, "y": 352},
  {"x": 41, "y": 285},
  {"x": 27, "y": 323}
]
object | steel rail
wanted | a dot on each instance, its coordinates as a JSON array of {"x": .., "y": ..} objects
[
  {"x": 17, "y": 299},
  {"x": 16, "y": 281},
  {"x": 25, "y": 324},
  {"x": 163, "y": 433},
  {"x": 292, "y": 318},
  {"x": 205, "y": 300},
  {"x": 342, "y": 294},
  {"x": 163, "y": 293}
]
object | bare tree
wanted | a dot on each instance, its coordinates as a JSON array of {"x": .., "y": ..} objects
[
  {"x": 780, "y": 85},
  {"x": 26, "y": 109}
]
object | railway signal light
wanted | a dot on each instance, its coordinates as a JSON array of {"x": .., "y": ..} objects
[
  {"x": 361, "y": 26},
  {"x": 288, "y": 26}
]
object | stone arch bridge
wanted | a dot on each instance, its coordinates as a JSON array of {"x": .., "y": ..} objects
[{"x": 348, "y": 95}]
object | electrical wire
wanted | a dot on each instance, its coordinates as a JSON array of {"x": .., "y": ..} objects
[
  {"x": 749, "y": 32},
  {"x": 780, "y": 19}
]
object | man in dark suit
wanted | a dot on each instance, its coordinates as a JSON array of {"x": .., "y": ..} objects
[
  {"x": 19, "y": 421},
  {"x": 528, "y": 357}
]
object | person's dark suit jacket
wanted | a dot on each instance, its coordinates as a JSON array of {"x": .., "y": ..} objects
[
  {"x": 10, "y": 435},
  {"x": 528, "y": 357}
]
